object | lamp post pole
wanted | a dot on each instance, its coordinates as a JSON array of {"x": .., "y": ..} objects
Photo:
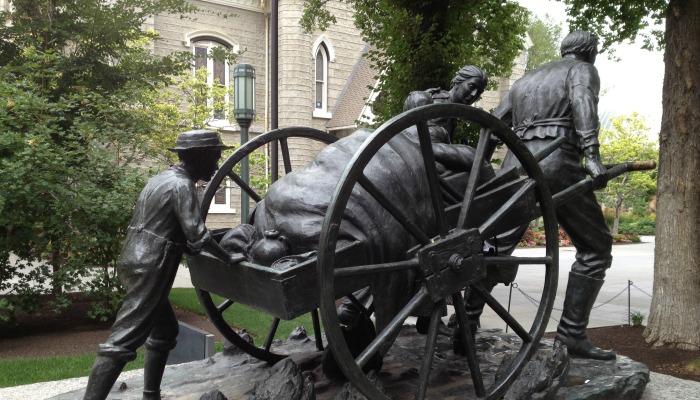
[{"x": 244, "y": 113}]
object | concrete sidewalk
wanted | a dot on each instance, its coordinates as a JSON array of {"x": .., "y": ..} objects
[{"x": 631, "y": 262}]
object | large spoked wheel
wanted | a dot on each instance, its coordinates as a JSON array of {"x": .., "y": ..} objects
[
  {"x": 450, "y": 260},
  {"x": 226, "y": 170}
]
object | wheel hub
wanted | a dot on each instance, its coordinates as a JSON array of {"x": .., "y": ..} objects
[{"x": 452, "y": 263}]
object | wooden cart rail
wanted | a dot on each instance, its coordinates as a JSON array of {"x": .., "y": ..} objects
[{"x": 284, "y": 293}]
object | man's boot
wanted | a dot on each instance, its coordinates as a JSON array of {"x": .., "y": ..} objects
[
  {"x": 105, "y": 372},
  {"x": 581, "y": 293},
  {"x": 153, "y": 368},
  {"x": 348, "y": 311}
]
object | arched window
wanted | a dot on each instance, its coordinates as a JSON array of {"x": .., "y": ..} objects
[
  {"x": 217, "y": 71},
  {"x": 323, "y": 55},
  {"x": 208, "y": 48},
  {"x": 321, "y": 99}
]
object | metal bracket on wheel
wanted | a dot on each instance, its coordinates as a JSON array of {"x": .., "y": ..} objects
[{"x": 452, "y": 263}]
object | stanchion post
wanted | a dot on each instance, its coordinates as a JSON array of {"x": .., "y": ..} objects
[
  {"x": 510, "y": 296},
  {"x": 629, "y": 302}
]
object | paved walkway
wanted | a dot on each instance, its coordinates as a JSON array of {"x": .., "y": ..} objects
[{"x": 631, "y": 262}]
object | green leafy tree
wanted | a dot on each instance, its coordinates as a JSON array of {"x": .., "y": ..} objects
[
  {"x": 674, "y": 24},
  {"x": 422, "y": 44},
  {"x": 193, "y": 103},
  {"x": 628, "y": 140},
  {"x": 74, "y": 78},
  {"x": 546, "y": 36},
  {"x": 189, "y": 103}
]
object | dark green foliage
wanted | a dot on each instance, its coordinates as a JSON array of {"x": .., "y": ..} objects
[
  {"x": 617, "y": 21},
  {"x": 422, "y": 44},
  {"x": 546, "y": 36},
  {"x": 640, "y": 225},
  {"x": 73, "y": 79}
]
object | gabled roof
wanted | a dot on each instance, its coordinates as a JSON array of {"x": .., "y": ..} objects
[{"x": 357, "y": 90}]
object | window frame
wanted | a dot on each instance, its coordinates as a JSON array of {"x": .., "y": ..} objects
[
  {"x": 323, "y": 49},
  {"x": 208, "y": 43}
]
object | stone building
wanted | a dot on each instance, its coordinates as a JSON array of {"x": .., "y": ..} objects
[{"x": 323, "y": 76}]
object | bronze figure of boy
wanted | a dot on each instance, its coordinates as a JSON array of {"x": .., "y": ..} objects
[{"x": 166, "y": 223}]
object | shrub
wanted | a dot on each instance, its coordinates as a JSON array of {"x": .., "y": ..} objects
[
  {"x": 645, "y": 225},
  {"x": 536, "y": 237},
  {"x": 636, "y": 317},
  {"x": 626, "y": 238}
]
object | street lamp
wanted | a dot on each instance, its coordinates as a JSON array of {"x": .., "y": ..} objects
[{"x": 244, "y": 112}]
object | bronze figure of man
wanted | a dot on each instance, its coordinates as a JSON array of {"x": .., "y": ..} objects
[
  {"x": 166, "y": 223},
  {"x": 560, "y": 99}
]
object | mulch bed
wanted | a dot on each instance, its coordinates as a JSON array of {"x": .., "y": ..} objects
[{"x": 629, "y": 341}]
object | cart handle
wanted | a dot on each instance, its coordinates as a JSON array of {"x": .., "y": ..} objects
[{"x": 614, "y": 171}]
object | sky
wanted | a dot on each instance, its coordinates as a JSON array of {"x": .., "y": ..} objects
[{"x": 632, "y": 84}]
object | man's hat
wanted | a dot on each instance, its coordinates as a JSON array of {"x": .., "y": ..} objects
[{"x": 199, "y": 139}]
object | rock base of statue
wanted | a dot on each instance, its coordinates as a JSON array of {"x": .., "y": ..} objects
[{"x": 550, "y": 374}]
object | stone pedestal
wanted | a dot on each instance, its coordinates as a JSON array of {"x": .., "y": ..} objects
[{"x": 240, "y": 377}]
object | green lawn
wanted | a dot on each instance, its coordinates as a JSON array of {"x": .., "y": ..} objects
[
  {"x": 31, "y": 370},
  {"x": 241, "y": 316}
]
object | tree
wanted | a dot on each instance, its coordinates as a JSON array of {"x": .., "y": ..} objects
[
  {"x": 628, "y": 140},
  {"x": 676, "y": 25},
  {"x": 191, "y": 103},
  {"x": 74, "y": 76},
  {"x": 422, "y": 44},
  {"x": 546, "y": 36}
]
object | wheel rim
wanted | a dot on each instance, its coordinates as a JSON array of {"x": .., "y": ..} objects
[
  {"x": 354, "y": 174},
  {"x": 214, "y": 311}
]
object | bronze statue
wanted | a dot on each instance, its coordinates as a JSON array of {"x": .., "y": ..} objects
[
  {"x": 465, "y": 88},
  {"x": 166, "y": 222},
  {"x": 555, "y": 100}
]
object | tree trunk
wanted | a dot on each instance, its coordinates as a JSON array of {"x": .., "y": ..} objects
[
  {"x": 616, "y": 221},
  {"x": 675, "y": 308}
]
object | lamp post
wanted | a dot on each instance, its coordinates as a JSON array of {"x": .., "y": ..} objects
[{"x": 244, "y": 112}]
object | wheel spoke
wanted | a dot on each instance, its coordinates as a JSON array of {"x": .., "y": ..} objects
[
  {"x": 491, "y": 224},
  {"x": 317, "y": 329},
  {"x": 430, "y": 343},
  {"x": 271, "y": 333},
  {"x": 513, "y": 172},
  {"x": 358, "y": 304},
  {"x": 412, "y": 228},
  {"x": 284, "y": 146},
  {"x": 490, "y": 261},
  {"x": 503, "y": 313},
  {"x": 249, "y": 190},
  {"x": 224, "y": 306},
  {"x": 376, "y": 268},
  {"x": 469, "y": 346},
  {"x": 426, "y": 148},
  {"x": 474, "y": 176},
  {"x": 392, "y": 329}
]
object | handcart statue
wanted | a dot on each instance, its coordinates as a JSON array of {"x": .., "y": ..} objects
[{"x": 390, "y": 210}]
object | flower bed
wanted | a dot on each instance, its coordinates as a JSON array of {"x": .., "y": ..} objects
[{"x": 536, "y": 237}]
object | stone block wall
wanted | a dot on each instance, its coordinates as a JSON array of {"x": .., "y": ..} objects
[{"x": 296, "y": 67}]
